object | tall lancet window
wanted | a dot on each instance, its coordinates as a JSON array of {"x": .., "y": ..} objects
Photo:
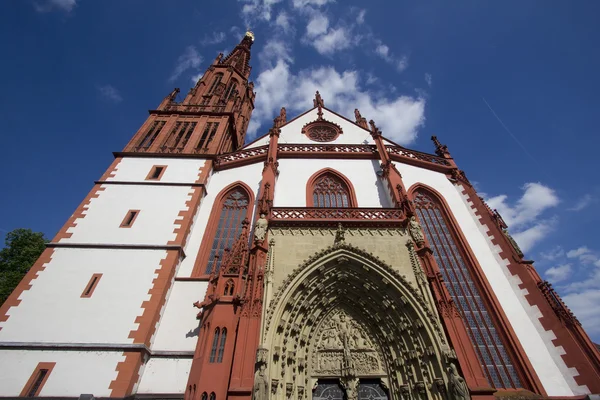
[
  {"x": 456, "y": 270},
  {"x": 224, "y": 228},
  {"x": 330, "y": 190},
  {"x": 216, "y": 81}
]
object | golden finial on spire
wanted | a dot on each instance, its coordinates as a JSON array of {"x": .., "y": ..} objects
[{"x": 250, "y": 34}]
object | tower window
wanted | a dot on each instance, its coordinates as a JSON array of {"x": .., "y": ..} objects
[
  {"x": 208, "y": 134},
  {"x": 38, "y": 379},
  {"x": 229, "y": 286},
  {"x": 215, "y": 343},
  {"x": 330, "y": 191},
  {"x": 91, "y": 286},
  {"x": 204, "y": 396},
  {"x": 222, "y": 345},
  {"x": 179, "y": 135},
  {"x": 213, "y": 396},
  {"x": 151, "y": 135},
  {"x": 230, "y": 89},
  {"x": 129, "y": 218},
  {"x": 156, "y": 172},
  {"x": 455, "y": 269},
  {"x": 216, "y": 81}
]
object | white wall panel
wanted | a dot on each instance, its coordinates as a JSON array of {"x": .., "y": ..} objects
[
  {"x": 539, "y": 351},
  {"x": 165, "y": 375},
  {"x": 179, "y": 170},
  {"x": 290, "y": 190},
  {"x": 159, "y": 208},
  {"x": 75, "y": 372},
  {"x": 53, "y": 310},
  {"x": 178, "y": 327}
]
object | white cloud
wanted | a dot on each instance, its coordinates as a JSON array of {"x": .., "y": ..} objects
[
  {"x": 360, "y": 18},
  {"x": 524, "y": 216},
  {"x": 429, "y": 79},
  {"x": 304, "y": 3},
  {"x": 111, "y": 93},
  {"x": 257, "y": 10},
  {"x": 284, "y": 22},
  {"x": 560, "y": 273},
  {"x": 399, "y": 117},
  {"x": 214, "y": 38},
  {"x": 334, "y": 40},
  {"x": 383, "y": 51},
  {"x": 317, "y": 25},
  {"x": 583, "y": 250},
  {"x": 582, "y": 203},
  {"x": 49, "y": 5},
  {"x": 585, "y": 307},
  {"x": 553, "y": 254},
  {"x": 189, "y": 59}
]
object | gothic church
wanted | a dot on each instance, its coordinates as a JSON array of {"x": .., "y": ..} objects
[{"x": 321, "y": 261}]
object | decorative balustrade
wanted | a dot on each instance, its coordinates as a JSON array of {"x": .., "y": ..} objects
[
  {"x": 417, "y": 155},
  {"x": 195, "y": 108},
  {"x": 309, "y": 215},
  {"x": 248, "y": 154},
  {"x": 327, "y": 148}
]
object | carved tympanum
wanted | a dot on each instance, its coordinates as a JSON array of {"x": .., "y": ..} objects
[{"x": 344, "y": 344}]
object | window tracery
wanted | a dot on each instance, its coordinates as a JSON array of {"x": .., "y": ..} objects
[
  {"x": 331, "y": 191},
  {"x": 321, "y": 131},
  {"x": 455, "y": 270}
]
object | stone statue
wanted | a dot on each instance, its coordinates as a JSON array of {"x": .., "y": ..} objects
[
  {"x": 339, "y": 234},
  {"x": 457, "y": 387},
  {"x": 260, "y": 230},
  {"x": 351, "y": 387},
  {"x": 261, "y": 384},
  {"x": 415, "y": 231},
  {"x": 512, "y": 242}
]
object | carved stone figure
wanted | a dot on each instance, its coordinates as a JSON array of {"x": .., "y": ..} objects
[
  {"x": 260, "y": 230},
  {"x": 512, "y": 242},
  {"x": 457, "y": 387},
  {"x": 351, "y": 387},
  {"x": 415, "y": 231},
  {"x": 261, "y": 383},
  {"x": 339, "y": 234}
]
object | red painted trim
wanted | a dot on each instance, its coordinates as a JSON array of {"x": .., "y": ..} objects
[
  {"x": 29, "y": 385},
  {"x": 310, "y": 184},
  {"x": 211, "y": 226},
  {"x": 513, "y": 347},
  {"x": 91, "y": 286},
  {"x": 580, "y": 352}
]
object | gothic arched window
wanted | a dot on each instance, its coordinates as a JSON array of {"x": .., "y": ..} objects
[
  {"x": 330, "y": 190},
  {"x": 230, "y": 89},
  {"x": 222, "y": 345},
  {"x": 213, "y": 396},
  {"x": 457, "y": 272},
  {"x": 229, "y": 286},
  {"x": 216, "y": 81},
  {"x": 231, "y": 207},
  {"x": 213, "y": 348},
  {"x": 204, "y": 396}
]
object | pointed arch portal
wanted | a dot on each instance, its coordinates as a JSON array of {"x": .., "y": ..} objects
[{"x": 345, "y": 324}]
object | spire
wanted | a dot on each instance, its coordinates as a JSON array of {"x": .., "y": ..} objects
[{"x": 239, "y": 58}]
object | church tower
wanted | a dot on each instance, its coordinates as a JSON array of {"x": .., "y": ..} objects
[
  {"x": 322, "y": 261},
  {"x": 213, "y": 116}
]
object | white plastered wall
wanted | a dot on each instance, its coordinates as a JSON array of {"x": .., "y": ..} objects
[
  {"x": 292, "y": 132},
  {"x": 165, "y": 375},
  {"x": 75, "y": 372},
  {"x": 251, "y": 175},
  {"x": 136, "y": 169},
  {"x": 294, "y": 174},
  {"x": 521, "y": 316},
  {"x": 54, "y": 311}
]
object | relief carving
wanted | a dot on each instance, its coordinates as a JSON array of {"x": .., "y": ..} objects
[
  {"x": 415, "y": 231},
  {"x": 457, "y": 387},
  {"x": 260, "y": 230}
]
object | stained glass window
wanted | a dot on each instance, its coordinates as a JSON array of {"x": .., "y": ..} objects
[
  {"x": 215, "y": 343},
  {"x": 457, "y": 275},
  {"x": 229, "y": 228},
  {"x": 330, "y": 191},
  {"x": 222, "y": 345}
]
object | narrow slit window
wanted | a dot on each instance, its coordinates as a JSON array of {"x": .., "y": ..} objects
[
  {"x": 38, "y": 379},
  {"x": 222, "y": 345},
  {"x": 215, "y": 343},
  {"x": 129, "y": 218},
  {"x": 151, "y": 135},
  {"x": 156, "y": 173},
  {"x": 91, "y": 286}
]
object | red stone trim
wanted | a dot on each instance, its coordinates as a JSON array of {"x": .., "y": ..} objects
[
  {"x": 28, "y": 386},
  {"x": 128, "y": 221},
  {"x": 128, "y": 369},
  {"x": 211, "y": 226},
  {"x": 153, "y": 170},
  {"x": 513, "y": 347},
  {"x": 580, "y": 352},
  {"x": 112, "y": 169},
  {"x": 310, "y": 184},
  {"x": 91, "y": 286},
  {"x": 184, "y": 225},
  {"x": 321, "y": 122},
  {"x": 25, "y": 284},
  {"x": 79, "y": 213}
]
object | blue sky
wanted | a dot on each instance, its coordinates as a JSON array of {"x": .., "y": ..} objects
[{"x": 511, "y": 87}]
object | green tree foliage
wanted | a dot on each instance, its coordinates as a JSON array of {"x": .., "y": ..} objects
[{"x": 22, "y": 249}]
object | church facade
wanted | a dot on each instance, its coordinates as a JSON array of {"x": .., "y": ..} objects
[{"x": 321, "y": 261}]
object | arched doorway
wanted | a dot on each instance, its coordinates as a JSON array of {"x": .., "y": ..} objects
[{"x": 346, "y": 326}]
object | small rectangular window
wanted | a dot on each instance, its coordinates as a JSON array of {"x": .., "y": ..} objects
[
  {"x": 91, "y": 286},
  {"x": 38, "y": 379},
  {"x": 156, "y": 172},
  {"x": 129, "y": 218}
]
